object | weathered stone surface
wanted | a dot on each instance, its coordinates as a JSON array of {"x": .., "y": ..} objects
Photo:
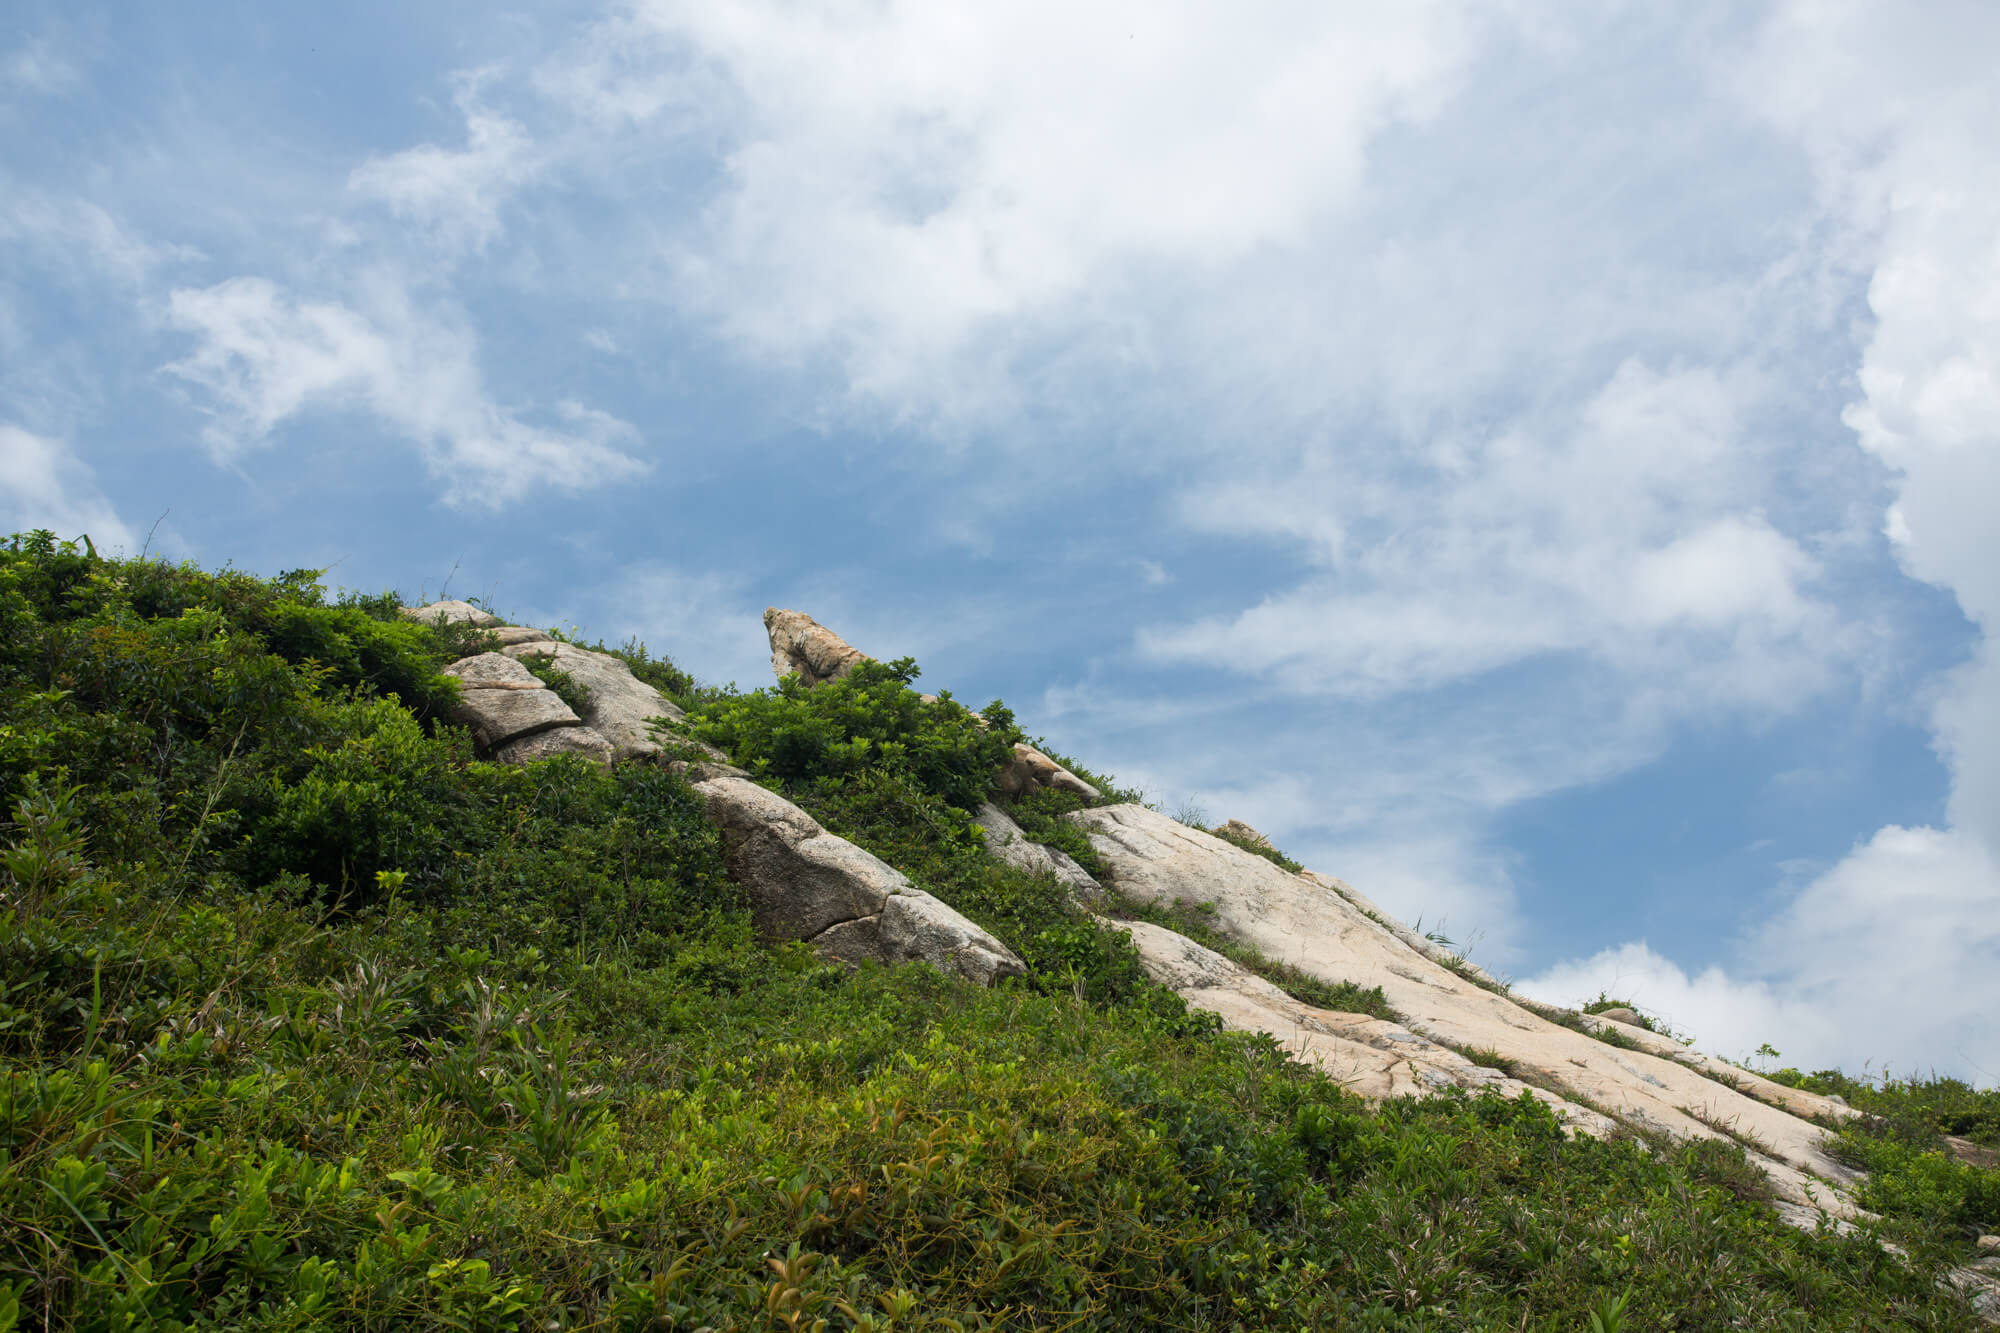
[
  {"x": 501, "y": 701},
  {"x": 1368, "y": 1056},
  {"x": 558, "y": 740},
  {"x": 806, "y": 883},
  {"x": 1304, "y": 922},
  {"x": 1236, "y": 828},
  {"x": 1429, "y": 948},
  {"x": 800, "y": 644},
  {"x": 509, "y": 635},
  {"x": 913, "y": 925},
  {"x": 1620, "y": 1014},
  {"x": 1005, "y": 840},
  {"x": 1030, "y": 768},
  {"x": 452, "y": 612},
  {"x": 621, "y": 705}
]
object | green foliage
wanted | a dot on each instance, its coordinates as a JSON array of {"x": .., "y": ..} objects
[
  {"x": 868, "y": 719},
  {"x": 568, "y": 688},
  {"x": 308, "y": 1020}
]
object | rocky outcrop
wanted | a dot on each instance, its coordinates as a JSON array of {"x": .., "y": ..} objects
[
  {"x": 1307, "y": 922},
  {"x": 801, "y": 645},
  {"x": 1371, "y": 1057},
  {"x": 621, "y": 708},
  {"x": 1005, "y": 840},
  {"x": 806, "y": 883},
  {"x": 1030, "y": 768},
  {"x": 451, "y": 613},
  {"x": 502, "y": 702}
]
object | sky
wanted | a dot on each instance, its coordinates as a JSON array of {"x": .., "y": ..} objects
[{"x": 1535, "y": 461}]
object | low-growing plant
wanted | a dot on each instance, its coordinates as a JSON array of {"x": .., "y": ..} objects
[{"x": 310, "y": 1020}]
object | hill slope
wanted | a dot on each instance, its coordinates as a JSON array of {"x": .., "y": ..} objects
[{"x": 313, "y": 1016}]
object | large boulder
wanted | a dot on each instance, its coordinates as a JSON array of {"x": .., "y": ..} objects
[
  {"x": 1304, "y": 921},
  {"x": 557, "y": 741},
  {"x": 805, "y": 883},
  {"x": 621, "y": 707},
  {"x": 801, "y": 645},
  {"x": 1005, "y": 840},
  {"x": 451, "y": 613},
  {"x": 502, "y": 701}
]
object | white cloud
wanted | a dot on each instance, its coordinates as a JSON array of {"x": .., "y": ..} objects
[
  {"x": 457, "y": 193},
  {"x": 1888, "y": 958},
  {"x": 1625, "y": 533},
  {"x": 264, "y": 357},
  {"x": 44, "y": 485},
  {"x": 1893, "y": 954},
  {"x": 912, "y": 190},
  {"x": 68, "y": 230}
]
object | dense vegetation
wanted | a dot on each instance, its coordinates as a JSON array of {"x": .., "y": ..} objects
[{"x": 311, "y": 1019}]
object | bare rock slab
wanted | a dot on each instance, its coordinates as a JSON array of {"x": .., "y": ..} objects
[
  {"x": 1304, "y": 921},
  {"x": 805, "y": 883},
  {"x": 557, "y": 741},
  {"x": 621, "y": 708}
]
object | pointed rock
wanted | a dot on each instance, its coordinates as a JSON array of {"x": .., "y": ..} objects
[{"x": 801, "y": 645}]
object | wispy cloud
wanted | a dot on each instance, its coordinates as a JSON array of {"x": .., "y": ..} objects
[
  {"x": 456, "y": 194},
  {"x": 263, "y": 357}
]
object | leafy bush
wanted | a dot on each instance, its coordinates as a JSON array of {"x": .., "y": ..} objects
[{"x": 869, "y": 718}]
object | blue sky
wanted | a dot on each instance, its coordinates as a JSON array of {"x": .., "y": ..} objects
[{"x": 1534, "y": 461}]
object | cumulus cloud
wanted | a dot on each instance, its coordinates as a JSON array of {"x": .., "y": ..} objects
[
  {"x": 43, "y": 484},
  {"x": 263, "y": 357},
  {"x": 1893, "y": 953},
  {"x": 910, "y": 191}
]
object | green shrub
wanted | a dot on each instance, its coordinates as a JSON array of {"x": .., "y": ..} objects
[{"x": 867, "y": 719}]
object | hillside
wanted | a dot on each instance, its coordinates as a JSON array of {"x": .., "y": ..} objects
[{"x": 372, "y": 967}]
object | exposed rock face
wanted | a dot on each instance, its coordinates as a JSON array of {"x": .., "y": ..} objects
[
  {"x": 621, "y": 705},
  {"x": 1304, "y": 921},
  {"x": 509, "y": 635},
  {"x": 1368, "y": 1056},
  {"x": 452, "y": 613},
  {"x": 502, "y": 701},
  {"x": 801, "y": 644},
  {"x": 1005, "y": 840},
  {"x": 1031, "y": 768},
  {"x": 549, "y": 744},
  {"x": 1620, "y": 1014},
  {"x": 806, "y": 883}
]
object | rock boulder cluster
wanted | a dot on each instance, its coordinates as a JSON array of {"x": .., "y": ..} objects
[
  {"x": 803, "y": 882},
  {"x": 1457, "y": 1026}
]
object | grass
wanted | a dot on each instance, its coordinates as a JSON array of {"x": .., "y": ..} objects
[{"x": 311, "y": 1020}]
